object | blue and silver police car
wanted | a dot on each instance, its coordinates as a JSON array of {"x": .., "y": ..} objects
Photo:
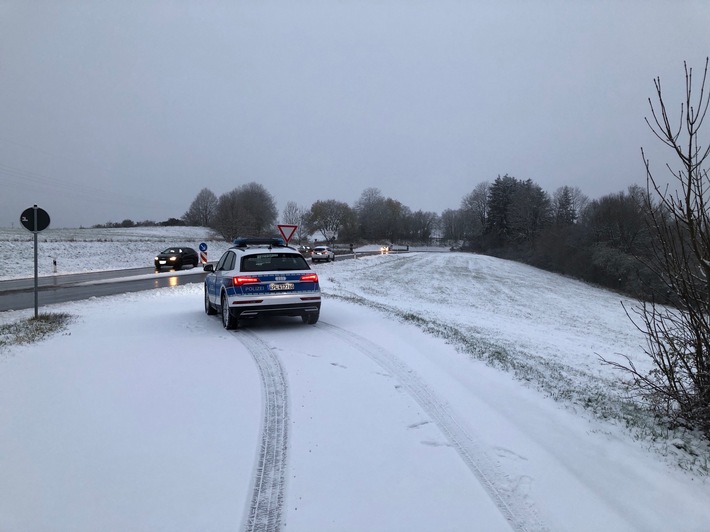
[{"x": 257, "y": 277}]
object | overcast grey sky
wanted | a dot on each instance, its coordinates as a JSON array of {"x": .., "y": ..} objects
[{"x": 127, "y": 109}]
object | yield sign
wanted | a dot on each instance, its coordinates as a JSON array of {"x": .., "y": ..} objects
[{"x": 287, "y": 231}]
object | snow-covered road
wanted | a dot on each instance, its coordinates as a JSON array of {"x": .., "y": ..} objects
[{"x": 438, "y": 392}]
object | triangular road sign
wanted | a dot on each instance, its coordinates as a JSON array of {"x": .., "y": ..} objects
[{"x": 287, "y": 231}]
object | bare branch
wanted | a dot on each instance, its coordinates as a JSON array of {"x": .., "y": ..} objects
[{"x": 678, "y": 338}]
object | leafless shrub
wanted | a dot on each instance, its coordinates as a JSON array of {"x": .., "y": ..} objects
[{"x": 678, "y": 337}]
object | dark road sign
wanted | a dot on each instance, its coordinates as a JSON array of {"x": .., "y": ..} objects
[{"x": 34, "y": 219}]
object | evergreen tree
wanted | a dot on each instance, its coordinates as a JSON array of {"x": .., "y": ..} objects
[
  {"x": 563, "y": 207},
  {"x": 500, "y": 199}
]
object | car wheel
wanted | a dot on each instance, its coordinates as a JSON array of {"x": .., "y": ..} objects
[
  {"x": 228, "y": 319},
  {"x": 333, "y": 259},
  {"x": 195, "y": 263},
  {"x": 209, "y": 309},
  {"x": 157, "y": 268},
  {"x": 311, "y": 318},
  {"x": 178, "y": 266}
]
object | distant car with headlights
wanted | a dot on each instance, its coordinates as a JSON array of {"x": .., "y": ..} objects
[
  {"x": 261, "y": 277},
  {"x": 176, "y": 257},
  {"x": 322, "y": 253}
]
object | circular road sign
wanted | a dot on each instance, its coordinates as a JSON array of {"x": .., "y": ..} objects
[
  {"x": 203, "y": 246},
  {"x": 35, "y": 219}
]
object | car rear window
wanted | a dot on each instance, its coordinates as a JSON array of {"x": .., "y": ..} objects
[{"x": 265, "y": 262}]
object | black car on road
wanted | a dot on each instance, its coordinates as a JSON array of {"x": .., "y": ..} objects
[{"x": 176, "y": 258}]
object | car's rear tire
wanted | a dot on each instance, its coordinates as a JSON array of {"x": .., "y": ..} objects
[
  {"x": 209, "y": 309},
  {"x": 229, "y": 320},
  {"x": 311, "y": 318}
]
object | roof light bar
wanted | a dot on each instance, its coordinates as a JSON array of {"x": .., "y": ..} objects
[{"x": 243, "y": 242}]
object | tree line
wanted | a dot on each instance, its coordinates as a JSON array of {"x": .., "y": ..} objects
[
  {"x": 605, "y": 241},
  {"x": 599, "y": 241},
  {"x": 170, "y": 222},
  {"x": 251, "y": 210}
]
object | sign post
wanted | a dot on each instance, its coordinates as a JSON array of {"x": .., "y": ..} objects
[
  {"x": 287, "y": 231},
  {"x": 203, "y": 252},
  {"x": 35, "y": 219}
]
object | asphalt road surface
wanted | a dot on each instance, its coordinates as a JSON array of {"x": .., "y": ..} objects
[{"x": 18, "y": 294}]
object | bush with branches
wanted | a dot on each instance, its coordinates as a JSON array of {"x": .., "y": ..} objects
[{"x": 678, "y": 336}]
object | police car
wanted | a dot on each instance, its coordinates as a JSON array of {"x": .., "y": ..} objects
[{"x": 259, "y": 277}]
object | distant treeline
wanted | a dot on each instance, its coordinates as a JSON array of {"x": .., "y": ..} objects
[
  {"x": 145, "y": 223},
  {"x": 604, "y": 241}
]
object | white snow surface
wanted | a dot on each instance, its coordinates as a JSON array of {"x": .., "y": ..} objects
[
  {"x": 438, "y": 392},
  {"x": 95, "y": 249}
]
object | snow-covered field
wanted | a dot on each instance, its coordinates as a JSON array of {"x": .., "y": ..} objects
[
  {"x": 439, "y": 391},
  {"x": 88, "y": 249}
]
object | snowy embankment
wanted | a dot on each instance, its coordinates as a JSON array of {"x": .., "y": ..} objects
[{"x": 439, "y": 391}]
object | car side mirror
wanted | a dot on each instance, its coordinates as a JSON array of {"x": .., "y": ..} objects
[{"x": 208, "y": 267}]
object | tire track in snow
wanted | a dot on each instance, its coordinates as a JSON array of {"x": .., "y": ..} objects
[
  {"x": 516, "y": 511},
  {"x": 269, "y": 483}
]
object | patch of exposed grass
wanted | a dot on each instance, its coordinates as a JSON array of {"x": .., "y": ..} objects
[{"x": 33, "y": 329}]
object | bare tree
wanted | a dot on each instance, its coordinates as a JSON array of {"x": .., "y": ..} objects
[
  {"x": 371, "y": 211},
  {"x": 396, "y": 218},
  {"x": 248, "y": 210},
  {"x": 202, "y": 209},
  {"x": 474, "y": 207},
  {"x": 619, "y": 220},
  {"x": 678, "y": 337},
  {"x": 579, "y": 200},
  {"x": 530, "y": 211},
  {"x": 422, "y": 225},
  {"x": 452, "y": 225},
  {"x": 328, "y": 218},
  {"x": 295, "y": 215}
]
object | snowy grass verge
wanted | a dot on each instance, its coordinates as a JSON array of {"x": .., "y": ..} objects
[
  {"x": 605, "y": 399},
  {"x": 34, "y": 329}
]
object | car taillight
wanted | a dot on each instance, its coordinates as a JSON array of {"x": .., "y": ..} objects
[
  {"x": 309, "y": 277},
  {"x": 240, "y": 280}
]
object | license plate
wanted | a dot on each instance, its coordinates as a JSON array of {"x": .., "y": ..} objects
[
  {"x": 161, "y": 261},
  {"x": 281, "y": 286}
]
